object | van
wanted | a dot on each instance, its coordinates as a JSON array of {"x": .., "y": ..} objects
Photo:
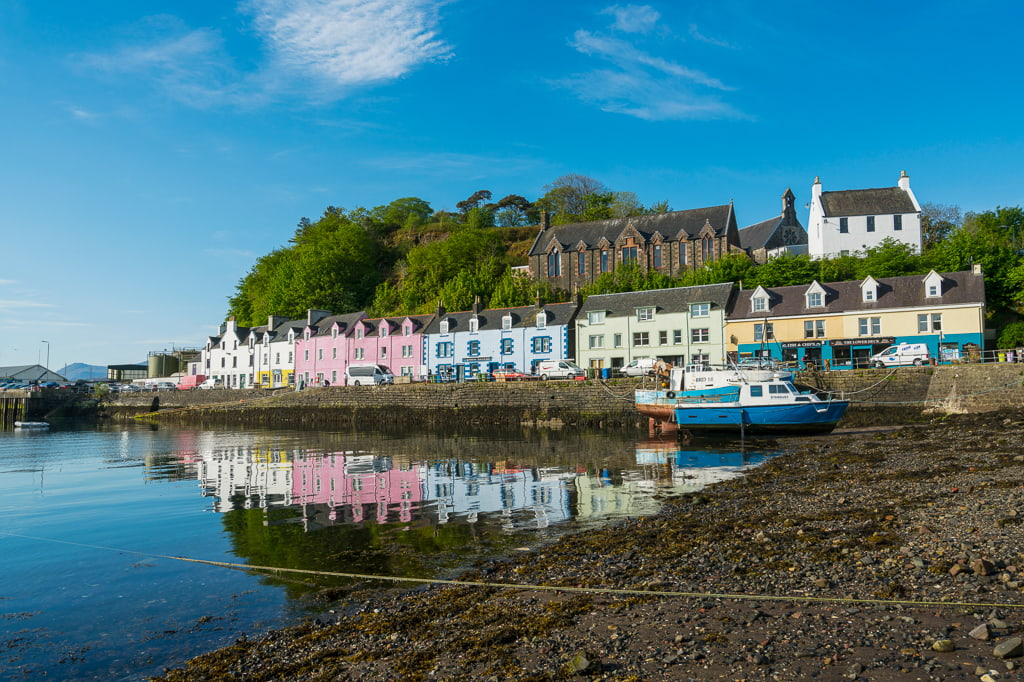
[
  {"x": 368, "y": 375},
  {"x": 641, "y": 367},
  {"x": 901, "y": 354},
  {"x": 210, "y": 383},
  {"x": 559, "y": 369}
]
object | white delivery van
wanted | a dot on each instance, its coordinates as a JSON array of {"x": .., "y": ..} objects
[
  {"x": 559, "y": 369},
  {"x": 901, "y": 354},
  {"x": 368, "y": 375},
  {"x": 640, "y": 367}
]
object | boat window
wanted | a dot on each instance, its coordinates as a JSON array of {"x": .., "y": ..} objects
[
  {"x": 778, "y": 388},
  {"x": 755, "y": 391}
]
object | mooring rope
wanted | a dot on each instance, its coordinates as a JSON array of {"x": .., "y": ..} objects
[{"x": 621, "y": 591}]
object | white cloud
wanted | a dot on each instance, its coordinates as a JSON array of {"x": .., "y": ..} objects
[
  {"x": 633, "y": 18},
  {"x": 350, "y": 42},
  {"x": 697, "y": 35},
  {"x": 14, "y": 305},
  {"x": 622, "y": 54},
  {"x": 8, "y": 281}
]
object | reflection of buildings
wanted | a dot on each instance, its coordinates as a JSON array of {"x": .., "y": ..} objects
[
  {"x": 349, "y": 484},
  {"x": 245, "y": 477}
]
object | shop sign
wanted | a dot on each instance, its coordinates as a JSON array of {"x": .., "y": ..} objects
[
  {"x": 865, "y": 341},
  {"x": 803, "y": 344}
]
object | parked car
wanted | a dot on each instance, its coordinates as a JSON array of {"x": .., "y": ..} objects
[
  {"x": 165, "y": 386},
  {"x": 559, "y": 369},
  {"x": 510, "y": 375},
  {"x": 641, "y": 367},
  {"x": 209, "y": 383},
  {"x": 368, "y": 375}
]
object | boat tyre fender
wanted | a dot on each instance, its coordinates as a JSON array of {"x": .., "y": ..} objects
[{"x": 670, "y": 395}]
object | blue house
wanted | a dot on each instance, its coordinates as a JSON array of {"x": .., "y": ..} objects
[{"x": 464, "y": 344}]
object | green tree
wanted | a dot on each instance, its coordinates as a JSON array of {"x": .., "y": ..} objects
[
  {"x": 938, "y": 221},
  {"x": 783, "y": 271},
  {"x": 890, "y": 258},
  {"x": 513, "y": 211},
  {"x": 408, "y": 212},
  {"x": 1012, "y": 335},
  {"x": 518, "y": 289},
  {"x": 566, "y": 197},
  {"x": 629, "y": 277}
]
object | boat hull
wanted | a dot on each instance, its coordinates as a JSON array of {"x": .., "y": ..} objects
[{"x": 803, "y": 417}]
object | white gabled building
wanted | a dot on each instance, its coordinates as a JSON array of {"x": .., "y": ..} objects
[{"x": 848, "y": 221}]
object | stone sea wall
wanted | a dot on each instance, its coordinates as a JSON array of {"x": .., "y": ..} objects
[{"x": 879, "y": 396}]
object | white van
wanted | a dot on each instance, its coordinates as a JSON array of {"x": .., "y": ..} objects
[
  {"x": 368, "y": 375},
  {"x": 641, "y": 367},
  {"x": 901, "y": 354},
  {"x": 559, "y": 369}
]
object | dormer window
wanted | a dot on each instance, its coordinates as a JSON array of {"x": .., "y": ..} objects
[
  {"x": 644, "y": 314},
  {"x": 306, "y": 335},
  {"x": 933, "y": 290},
  {"x": 542, "y": 320},
  {"x": 506, "y": 322},
  {"x": 869, "y": 295},
  {"x": 596, "y": 317},
  {"x": 933, "y": 285},
  {"x": 759, "y": 304},
  {"x": 384, "y": 330},
  {"x": 815, "y": 300},
  {"x": 334, "y": 333},
  {"x": 474, "y": 325},
  {"x": 407, "y": 330},
  {"x": 360, "y": 331},
  {"x": 444, "y": 326}
]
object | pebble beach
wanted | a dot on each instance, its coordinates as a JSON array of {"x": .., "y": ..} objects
[{"x": 868, "y": 554}]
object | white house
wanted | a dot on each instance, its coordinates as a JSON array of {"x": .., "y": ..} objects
[{"x": 848, "y": 221}]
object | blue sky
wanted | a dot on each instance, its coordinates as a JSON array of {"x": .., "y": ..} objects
[{"x": 153, "y": 150}]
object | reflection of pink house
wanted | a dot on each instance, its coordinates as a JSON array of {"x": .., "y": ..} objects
[
  {"x": 395, "y": 342},
  {"x": 339, "y": 480},
  {"x": 321, "y": 350}
]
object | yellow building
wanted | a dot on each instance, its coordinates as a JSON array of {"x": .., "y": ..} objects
[{"x": 842, "y": 324}]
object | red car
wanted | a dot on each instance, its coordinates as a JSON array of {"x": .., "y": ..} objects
[{"x": 509, "y": 375}]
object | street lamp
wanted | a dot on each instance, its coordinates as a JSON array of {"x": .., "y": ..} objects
[{"x": 47, "y": 354}]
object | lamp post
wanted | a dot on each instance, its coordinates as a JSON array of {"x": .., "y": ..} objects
[{"x": 47, "y": 354}]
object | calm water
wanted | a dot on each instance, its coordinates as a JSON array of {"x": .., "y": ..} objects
[{"x": 86, "y": 516}]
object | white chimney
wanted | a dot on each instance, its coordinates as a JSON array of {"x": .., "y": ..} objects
[{"x": 904, "y": 181}]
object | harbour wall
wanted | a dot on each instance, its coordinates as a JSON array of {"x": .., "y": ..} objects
[{"x": 879, "y": 396}]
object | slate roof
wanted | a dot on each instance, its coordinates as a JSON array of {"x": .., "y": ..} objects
[
  {"x": 323, "y": 326},
  {"x": 882, "y": 201},
  {"x": 372, "y": 325},
  {"x": 490, "y": 318},
  {"x": 757, "y": 235},
  {"x": 669, "y": 300},
  {"x": 669, "y": 225},
  {"x": 893, "y": 292}
]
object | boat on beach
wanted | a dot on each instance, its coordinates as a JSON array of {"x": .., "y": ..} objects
[
  {"x": 31, "y": 425},
  {"x": 738, "y": 400}
]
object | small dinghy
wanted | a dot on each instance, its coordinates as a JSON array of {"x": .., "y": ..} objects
[{"x": 31, "y": 425}]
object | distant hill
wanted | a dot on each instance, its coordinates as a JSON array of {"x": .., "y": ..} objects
[{"x": 80, "y": 370}]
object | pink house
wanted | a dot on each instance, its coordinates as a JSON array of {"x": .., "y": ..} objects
[
  {"x": 321, "y": 350},
  {"x": 395, "y": 342}
]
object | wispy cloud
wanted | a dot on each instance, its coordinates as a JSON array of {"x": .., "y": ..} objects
[
  {"x": 346, "y": 43},
  {"x": 697, "y": 35},
  {"x": 7, "y": 281},
  {"x": 15, "y": 305},
  {"x": 638, "y": 82},
  {"x": 633, "y": 18}
]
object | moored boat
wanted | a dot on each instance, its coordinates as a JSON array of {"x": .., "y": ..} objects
[{"x": 31, "y": 425}]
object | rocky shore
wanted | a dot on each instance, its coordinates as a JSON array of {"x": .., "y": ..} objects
[{"x": 889, "y": 554}]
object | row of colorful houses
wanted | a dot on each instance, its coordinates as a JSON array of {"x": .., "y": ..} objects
[{"x": 838, "y": 324}]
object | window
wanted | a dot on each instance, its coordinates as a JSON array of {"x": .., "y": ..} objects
[
  {"x": 700, "y": 359},
  {"x": 677, "y": 336},
  {"x": 756, "y": 391},
  {"x": 815, "y": 300},
  {"x": 445, "y": 349},
  {"x": 844, "y": 253},
  {"x": 474, "y": 325},
  {"x": 305, "y": 355},
  {"x": 644, "y": 314},
  {"x": 596, "y": 341},
  {"x": 554, "y": 264},
  {"x": 663, "y": 338},
  {"x": 929, "y": 323},
  {"x": 506, "y": 322},
  {"x": 814, "y": 329},
  {"x": 334, "y": 354},
  {"x": 506, "y": 346},
  {"x": 764, "y": 332},
  {"x": 759, "y": 304},
  {"x": 699, "y": 335},
  {"x": 933, "y": 290},
  {"x": 473, "y": 349},
  {"x": 542, "y": 320},
  {"x": 897, "y": 223},
  {"x": 604, "y": 260},
  {"x": 641, "y": 339},
  {"x": 360, "y": 332},
  {"x": 334, "y": 333},
  {"x": 581, "y": 263},
  {"x": 383, "y": 330},
  {"x": 869, "y": 294},
  {"x": 277, "y": 358},
  {"x": 289, "y": 357},
  {"x": 596, "y": 317},
  {"x": 682, "y": 253},
  {"x": 360, "y": 353},
  {"x": 444, "y": 326},
  {"x": 617, "y": 339},
  {"x": 334, "y": 380},
  {"x": 407, "y": 330},
  {"x": 700, "y": 310},
  {"x": 383, "y": 353},
  {"x": 406, "y": 351},
  {"x": 628, "y": 255},
  {"x": 844, "y": 225},
  {"x": 871, "y": 223},
  {"x": 541, "y": 344},
  {"x": 320, "y": 354},
  {"x": 656, "y": 255},
  {"x": 707, "y": 245},
  {"x": 869, "y": 326}
]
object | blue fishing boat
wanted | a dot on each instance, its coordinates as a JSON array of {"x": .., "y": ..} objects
[{"x": 746, "y": 403}]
